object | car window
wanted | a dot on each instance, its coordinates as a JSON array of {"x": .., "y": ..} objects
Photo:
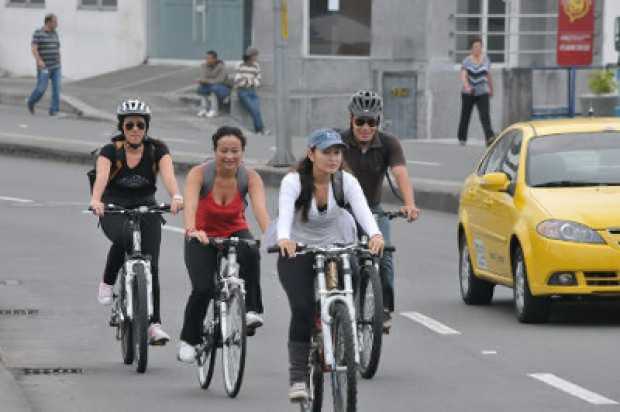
[
  {"x": 574, "y": 159},
  {"x": 494, "y": 159},
  {"x": 510, "y": 164}
]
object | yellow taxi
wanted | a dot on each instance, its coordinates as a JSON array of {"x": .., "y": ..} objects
[{"x": 541, "y": 214}]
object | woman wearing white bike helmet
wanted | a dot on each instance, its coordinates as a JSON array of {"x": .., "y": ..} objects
[
  {"x": 126, "y": 175},
  {"x": 309, "y": 214}
]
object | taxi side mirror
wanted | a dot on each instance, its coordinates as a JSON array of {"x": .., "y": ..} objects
[{"x": 495, "y": 182}]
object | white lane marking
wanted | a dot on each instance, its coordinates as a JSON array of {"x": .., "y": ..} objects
[
  {"x": 23, "y": 126},
  {"x": 178, "y": 140},
  {"x": 489, "y": 352},
  {"x": 16, "y": 199},
  {"x": 572, "y": 389},
  {"x": 430, "y": 323},
  {"x": 173, "y": 229},
  {"x": 422, "y": 163}
]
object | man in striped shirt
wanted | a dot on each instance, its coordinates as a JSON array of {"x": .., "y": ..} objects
[{"x": 46, "y": 52}]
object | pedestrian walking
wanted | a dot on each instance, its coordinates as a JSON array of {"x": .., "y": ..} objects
[
  {"x": 213, "y": 85},
  {"x": 247, "y": 80},
  {"x": 477, "y": 90},
  {"x": 46, "y": 52}
]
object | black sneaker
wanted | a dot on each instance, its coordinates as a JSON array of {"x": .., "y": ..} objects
[
  {"x": 387, "y": 322},
  {"x": 30, "y": 107}
]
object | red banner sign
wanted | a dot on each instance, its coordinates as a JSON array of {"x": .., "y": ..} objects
[{"x": 575, "y": 32}]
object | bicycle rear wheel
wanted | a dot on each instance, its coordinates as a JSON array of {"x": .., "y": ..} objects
[
  {"x": 206, "y": 359},
  {"x": 344, "y": 378},
  {"x": 233, "y": 342},
  {"x": 370, "y": 321},
  {"x": 140, "y": 318}
]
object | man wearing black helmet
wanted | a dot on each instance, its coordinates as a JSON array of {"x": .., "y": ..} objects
[
  {"x": 132, "y": 185},
  {"x": 370, "y": 154}
]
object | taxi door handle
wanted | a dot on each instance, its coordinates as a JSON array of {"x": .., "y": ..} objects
[{"x": 488, "y": 202}]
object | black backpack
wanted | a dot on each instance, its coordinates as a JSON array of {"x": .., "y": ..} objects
[{"x": 117, "y": 165}]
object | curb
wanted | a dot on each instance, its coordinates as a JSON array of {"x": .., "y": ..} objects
[
  {"x": 68, "y": 104},
  {"x": 12, "y": 396},
  {"x": 428, "y": 194}
]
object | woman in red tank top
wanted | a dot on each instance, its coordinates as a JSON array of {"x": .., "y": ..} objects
[{"x": 214, "y": 207}]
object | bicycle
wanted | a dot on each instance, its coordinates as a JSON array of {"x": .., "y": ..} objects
[
  {"x": 224, "y": 325},
  {"x": 369, "y": 304},
  {"x": 132, "y": 306},
  {"x": 334, "y": 346}
]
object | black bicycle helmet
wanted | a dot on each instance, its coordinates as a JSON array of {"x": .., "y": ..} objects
[{"x": 366, "y": 103}]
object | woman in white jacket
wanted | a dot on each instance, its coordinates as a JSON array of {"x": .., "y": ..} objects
[{"x": 309, "y": 214}]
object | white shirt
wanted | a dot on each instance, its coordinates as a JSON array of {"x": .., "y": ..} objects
[{"x": 334, "y": 225}]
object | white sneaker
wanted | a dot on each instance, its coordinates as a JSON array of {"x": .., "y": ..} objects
[
  {"x": 253, "y": 320},
  {"x": 105, "y": 294},
  {"x": 202, "y": 113},
  {"x": 156, "y": 335},
  {"x": 187, "y": 353},
  {"x": 211, "y": 113},
  {"x": 298, "y": 392}
]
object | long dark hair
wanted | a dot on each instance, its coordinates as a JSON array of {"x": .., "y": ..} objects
[{"x": 306, "y": 178}]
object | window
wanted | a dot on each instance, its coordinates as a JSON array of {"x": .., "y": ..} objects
[
  {"x": 27, "y": 3},
  {"x": 485, "y": 19},
  {"x": 510, "y": 165},
  {"x": 98, "y": 4},
  {"x": 494, "y": 158},
  {"x": 339, "y": 27}
]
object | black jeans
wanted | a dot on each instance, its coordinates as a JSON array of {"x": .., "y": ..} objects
[
  {"x": 467, "y": 104},
  {"x": 116, "y": 229},
  {"x": 201, "y": 263}
]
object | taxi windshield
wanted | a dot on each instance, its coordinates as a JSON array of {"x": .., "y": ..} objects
[{"x": 573, "y": 160}]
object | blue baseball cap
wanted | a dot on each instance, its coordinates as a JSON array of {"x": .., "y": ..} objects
[{"x": 323, "y": 139}]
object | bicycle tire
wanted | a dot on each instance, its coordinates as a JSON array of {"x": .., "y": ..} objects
[
  {"x": 206, "y": 360},
  {"x": 140, "y": 319},
  {"x": 370, "y": 321},
  {"x": 344, "y": 384},
  {"x": 233, "y": 327},
  {"x": 317, "y": 381},
  {"x": 125, "y": 330}
]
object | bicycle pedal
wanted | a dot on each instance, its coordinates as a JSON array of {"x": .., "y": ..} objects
[
  {"x": 250, "y": 331},
  {"x": 161, "y": 342},
  {"x": 386, "y": 331}
]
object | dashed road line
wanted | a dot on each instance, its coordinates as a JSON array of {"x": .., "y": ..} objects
[
  {"x": 173, "y": 229},
  {"x": 16, "y": 199},
  {"x": 422, "y": 163},
  {"x": 572, "y": 389},
  {"x": 489, "y": 352},
  {"x": 430, "y": 323}
]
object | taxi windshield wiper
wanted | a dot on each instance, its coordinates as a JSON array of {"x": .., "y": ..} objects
[{"x": 574, "y": 183}]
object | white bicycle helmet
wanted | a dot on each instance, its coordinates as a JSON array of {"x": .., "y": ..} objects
[{"x": 133, "y": 107}]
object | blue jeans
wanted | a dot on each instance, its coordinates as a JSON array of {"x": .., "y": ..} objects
[
  {"x": 249, "y": 100},
  {"x": 220, "y": 90},
  {"x": 386, "y": 264},
  {"x": 43, "y": 78}
]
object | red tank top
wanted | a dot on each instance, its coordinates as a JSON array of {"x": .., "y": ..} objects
[{"x": 220, "y": 221}]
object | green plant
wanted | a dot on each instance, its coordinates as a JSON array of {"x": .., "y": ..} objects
[{"x": 602, "y": 82}]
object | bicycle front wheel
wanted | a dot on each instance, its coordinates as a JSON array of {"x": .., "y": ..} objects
[
  {"x": 206, "y": 359},
  {"x": 344, "y": 377},
  {"x": 233, "y": 341},
  {"x": 316, "y": 381},
  {"x": 140, "y": 318},
  {"x": 370, "y": 321},
  {"x": 124, "y": 328}
]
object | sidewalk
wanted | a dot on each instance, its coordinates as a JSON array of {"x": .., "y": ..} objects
[{"x": 437, "y": 167}]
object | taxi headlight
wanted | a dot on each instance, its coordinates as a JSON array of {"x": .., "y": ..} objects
[{"x": 568, "y": 231}]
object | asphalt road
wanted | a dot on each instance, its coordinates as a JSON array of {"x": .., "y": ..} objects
[{"x": 474, "y": 359}]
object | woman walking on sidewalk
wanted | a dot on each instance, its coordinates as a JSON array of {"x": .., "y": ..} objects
[{"x": 477, "y": 90}]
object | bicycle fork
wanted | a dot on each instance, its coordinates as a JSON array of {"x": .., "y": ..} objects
[
  {"x": 329, "y": 298},
  {"x": 130, "y": 274}
]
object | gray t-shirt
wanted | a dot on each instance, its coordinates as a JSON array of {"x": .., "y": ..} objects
[
  {"x": 477, "y": 75},
  {"x": 48, "y": 46}
]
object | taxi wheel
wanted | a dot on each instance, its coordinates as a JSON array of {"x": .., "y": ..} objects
[
  {"x": 528, "y": 308},
  {"x": 474, "y": 291}
]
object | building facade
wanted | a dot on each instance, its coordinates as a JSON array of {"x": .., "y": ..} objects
[{"x": 408, "y": 50}]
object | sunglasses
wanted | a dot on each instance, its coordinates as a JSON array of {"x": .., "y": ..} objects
[
  {"x": 361, "y": 121},
  {"x": 131, "y": 125}
]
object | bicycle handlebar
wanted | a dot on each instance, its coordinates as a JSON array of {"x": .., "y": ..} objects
[
  {"x": 392, "y": 214},
  {"x": 228, "y": 241},
  {"x": 330, "y": 249},
  {"x": 140, "y": 210}
]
